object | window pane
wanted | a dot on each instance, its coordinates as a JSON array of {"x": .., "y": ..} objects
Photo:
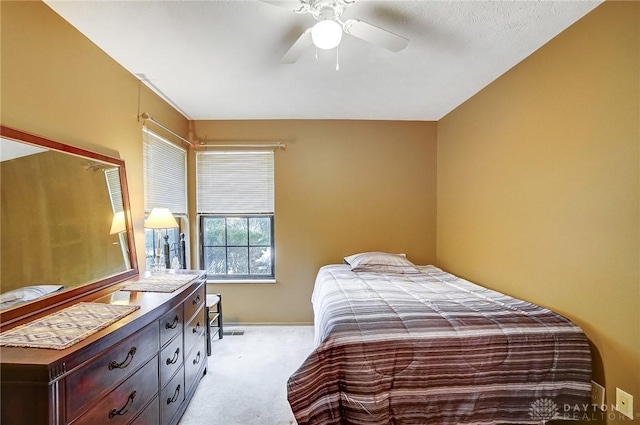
[
  {"x": 214, "y": 231},
  {"x": 238, "y": 261},
  {"x": 174, "y": 243},
  {"x": 216, "y": 260},
  {"x": 243, "y": 246},
  {"x": 151, "y": 245},
  {"x": 260, "y": 261},
  {"x": 237, "y": 231},
  {"x": 259, "y": 231}
]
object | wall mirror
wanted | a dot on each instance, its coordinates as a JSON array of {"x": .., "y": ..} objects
[{"x": 65, "y": 224}]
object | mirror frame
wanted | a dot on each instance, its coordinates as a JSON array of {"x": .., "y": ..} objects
[{"x": 30, "y": 309}]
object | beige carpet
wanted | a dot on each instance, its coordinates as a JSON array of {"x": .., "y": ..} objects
[{"x": 247, "y": 375}]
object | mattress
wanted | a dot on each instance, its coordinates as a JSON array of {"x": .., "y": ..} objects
[{"x": 432, "y": 348}]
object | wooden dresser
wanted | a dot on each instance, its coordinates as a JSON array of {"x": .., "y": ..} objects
[{"x": 142, "y": 369}]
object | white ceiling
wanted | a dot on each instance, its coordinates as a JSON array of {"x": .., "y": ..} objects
[
  {"x": 12, "y": 150},
  {"x": 221, "y": 59}
]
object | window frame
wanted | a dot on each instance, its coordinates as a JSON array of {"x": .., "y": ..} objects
[
  {"x": 152, "y": 141},
  {"x": 237, "y": 278},
  {"x": 237, "y": 177}
]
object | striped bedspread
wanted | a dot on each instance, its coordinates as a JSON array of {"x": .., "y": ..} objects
[{"x": 431, "y": 348}]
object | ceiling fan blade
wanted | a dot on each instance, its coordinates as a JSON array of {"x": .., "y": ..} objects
[
  {"x": 375, "y": 35},
  {"x": 302, "y": 43},
  {"x": 293, "y": 5}
]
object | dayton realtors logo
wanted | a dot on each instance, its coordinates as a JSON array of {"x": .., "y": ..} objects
[{"x": 543, "y": 409}]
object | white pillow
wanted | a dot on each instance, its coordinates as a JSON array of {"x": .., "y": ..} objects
[
  {"x": 380, "y": 262},
  {"x": 29, "y": 293}
]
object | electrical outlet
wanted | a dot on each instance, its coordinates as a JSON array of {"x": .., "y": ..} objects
[
  {"x": 624, "y": 403},
  {"x": 597, "y": 395}
]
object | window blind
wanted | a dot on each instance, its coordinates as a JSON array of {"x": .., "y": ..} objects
[
  {"x": 235, "y": 182},
  {"x": 115, "y": 191},
  {"x": 165, "y": 174}
]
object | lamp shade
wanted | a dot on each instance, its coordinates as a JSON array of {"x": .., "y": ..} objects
[
  {"x": 117, "y": 225},
  {"x": 326, "y": 34},
  {"x": 160, "y": 218}
]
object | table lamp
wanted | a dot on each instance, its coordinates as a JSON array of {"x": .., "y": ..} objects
[
  {"x": 117, "y": 224},
  {"x": 161, "y": 218}
]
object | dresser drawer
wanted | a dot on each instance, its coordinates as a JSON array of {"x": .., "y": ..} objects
[
  {"x": 170, "y": 324},
  {"x": 194, "y": 364},
  {"x": 171, "y": 397},
  {"x": 150, "y": 416},
  {"x": 90, "y": 383},
  {"x": 127, "y": 400},
  {"x": 194, "y": 302},
  {"x": 171, "y": 359},
  {"x": 194, "y": 331}
]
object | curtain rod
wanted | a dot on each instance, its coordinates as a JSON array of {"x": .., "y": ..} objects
[
  {"x": 231, "y": 144},
  {"x": 146, "y": 117}
]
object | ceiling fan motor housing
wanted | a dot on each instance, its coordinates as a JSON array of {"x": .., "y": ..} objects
[{"x": 328, "y": 9}]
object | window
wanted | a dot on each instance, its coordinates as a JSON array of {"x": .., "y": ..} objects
[
  {"x": 235, "y": 203},
  {"x": 165, "y": 185},
  {"x": 237, "y": 246},
  {"x": 118, "y": 225},
  {"x": 113, "y": 185},
  {"x": 151, "y": 246}
]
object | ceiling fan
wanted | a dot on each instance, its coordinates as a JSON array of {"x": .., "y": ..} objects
[{"x": 327, "y": 32}]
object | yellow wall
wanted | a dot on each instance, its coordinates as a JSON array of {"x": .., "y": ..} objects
[
  {"x": 538, "y": 186},
  {"x": 341, "y": 187},
  {"x": 57, "y": 84},
  {"x": 537, "y": 175}
]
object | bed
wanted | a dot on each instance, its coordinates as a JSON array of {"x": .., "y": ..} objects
[{"x": 421, "y": 346}]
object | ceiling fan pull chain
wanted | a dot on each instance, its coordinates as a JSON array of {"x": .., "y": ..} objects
[
  {"x": 316, "y": 54},
  {"x": 337, "y": 58}
]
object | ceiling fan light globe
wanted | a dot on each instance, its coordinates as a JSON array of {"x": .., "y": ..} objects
[{"x": 326, "y": 34}]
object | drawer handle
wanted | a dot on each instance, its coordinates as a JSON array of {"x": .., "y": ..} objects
[
  {"x": 124, "y": 409},
  {"x": 173, "y": 324},
  {"x": 196, "y": 300},
  {"x": 175, "y": 396},
  {"x": 176, "y": 355},
  {"x": 115, "y": 365},
  {"x": 196, "y": 329},
  {"x": 197, "y": 359}
]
